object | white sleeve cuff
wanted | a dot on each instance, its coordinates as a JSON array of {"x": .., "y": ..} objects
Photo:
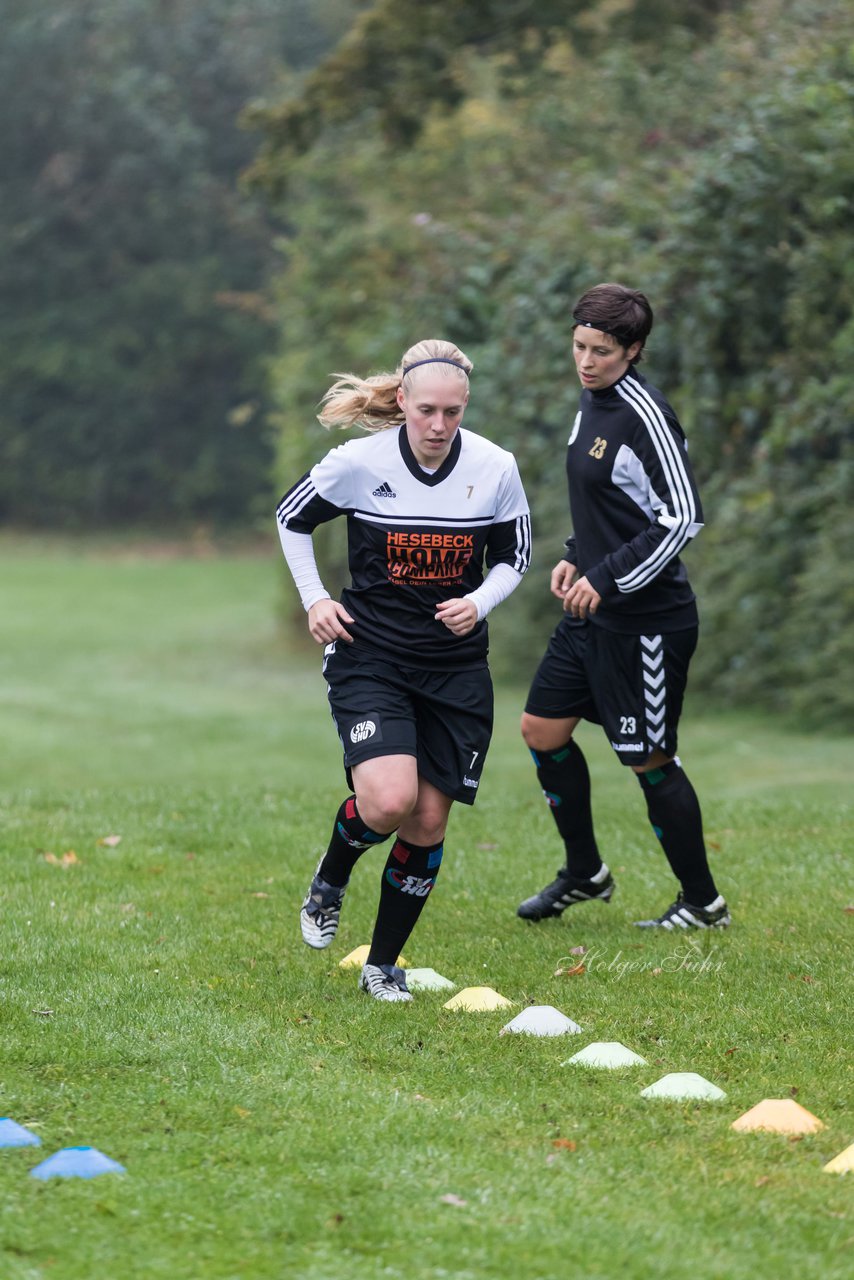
[
  {"x": 496, "y": 586},
  {"x": 299, "y": 553}
]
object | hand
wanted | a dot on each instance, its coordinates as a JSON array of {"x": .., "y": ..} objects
[
  {"x": 459, "y": 616},
  {"x": 581, "y": 599},
  {"x": 562, "y": 576},
  {"x": 326, "y": 620}
]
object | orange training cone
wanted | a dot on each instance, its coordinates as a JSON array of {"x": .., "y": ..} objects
[{"x": 778, "y": 1115}]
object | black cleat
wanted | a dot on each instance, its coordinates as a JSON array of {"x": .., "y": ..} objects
[
  {"x": 564, "y": 892},
  {"x": 681, "y": 915}
]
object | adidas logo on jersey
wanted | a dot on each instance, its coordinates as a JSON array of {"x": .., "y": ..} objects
[{"x": 384, "y": 491}]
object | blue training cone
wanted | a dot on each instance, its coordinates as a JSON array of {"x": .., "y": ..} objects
[
  {"x": 76, "y": 1162},
  {"x": 13, "y": 1134}
]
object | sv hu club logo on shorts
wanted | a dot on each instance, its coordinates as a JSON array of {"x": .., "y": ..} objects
[{"x": 362, "y": 731}]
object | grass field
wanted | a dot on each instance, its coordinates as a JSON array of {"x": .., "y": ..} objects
[{"x": 158, "y": 1004}]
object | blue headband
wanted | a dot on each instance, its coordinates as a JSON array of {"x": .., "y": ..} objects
[{"x": 435, "y": 360}]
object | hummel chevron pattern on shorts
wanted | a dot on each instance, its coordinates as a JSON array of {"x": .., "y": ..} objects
[
  {"x": 653, "y": 688},
  {"x": 681, "y": 915},
  {"x": 321, "y": 912},
  {"x": 385, "y": 982}
]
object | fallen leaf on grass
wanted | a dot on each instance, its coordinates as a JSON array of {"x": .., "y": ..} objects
[
  {"x": 68, "y": 859},
  {"x": 655, "y": 972},
  {"x": 43, "y": 1013},
  {"x": 794, "y": 1091},
  {"x": 849, "y": 911},
  {"x": 574, "y": 972},
  {"x": 762, "y": 1182},
  {"x": 563, "y": 1144},
  {"x": 578, "y": 951},
  {"x": 109, "y": 841},
  {"x": 450, "y": 1198},
  {"x": 260, "y": 895},
  {"x": 242, "y": 1112},
  {"x": 731, "y": 1051}
]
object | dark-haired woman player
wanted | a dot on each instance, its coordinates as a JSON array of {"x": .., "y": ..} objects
[
  {"x": 620, "y": 655},
  {"x": 438, "y": 534}
]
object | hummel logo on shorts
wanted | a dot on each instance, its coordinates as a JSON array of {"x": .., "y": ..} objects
[{"x": 384, "y": 491}]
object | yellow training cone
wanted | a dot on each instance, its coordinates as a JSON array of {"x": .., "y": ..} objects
[
  {"x": 357, "y": 958},
  {"x": 475, "y": 999},
  {"x": 778, "y": 1115},
  {"x": 843, "y": 1163}
]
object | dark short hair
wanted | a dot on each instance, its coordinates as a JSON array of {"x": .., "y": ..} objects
[{"x": 616, "y": 309}]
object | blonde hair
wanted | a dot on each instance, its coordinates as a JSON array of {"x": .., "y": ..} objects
[{"x": 371, "y": 403}]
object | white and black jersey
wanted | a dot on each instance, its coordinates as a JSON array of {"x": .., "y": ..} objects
[
  {"x": 634, "y": 507},
  {"x": 415, "y": 537}
]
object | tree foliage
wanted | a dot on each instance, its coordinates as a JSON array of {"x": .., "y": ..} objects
[
  {"x": 133, "y": 318},
  {"x": 496, "y": 166}
]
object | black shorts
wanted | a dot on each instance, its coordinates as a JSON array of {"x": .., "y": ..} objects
[
  {"x": 632, "y": 685},
  {"x": 381, "y": 708}
]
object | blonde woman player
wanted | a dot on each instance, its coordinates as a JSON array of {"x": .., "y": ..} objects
[{"x": 438, "y": 533}]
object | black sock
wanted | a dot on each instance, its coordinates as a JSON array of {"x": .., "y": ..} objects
[
  {"x": 350, "y": 838},
  {"x": 408, "y": 876},
  {"x": 674, "y": 812},
  {"x": 565, "y": 780}
]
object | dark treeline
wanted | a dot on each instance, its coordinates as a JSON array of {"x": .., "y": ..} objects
[
  {"x": 463, "y": 171},
  {"x": 134, "y": 321}
]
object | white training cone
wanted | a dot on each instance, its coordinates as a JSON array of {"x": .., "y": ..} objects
[
  {"x": 477, "y": 1000},
  {"x": 684, "y": 1085},
  {"x": 843, "y": 1163},
  {"x": 427, "y": 980},
  {"x": 778, "y": 1115},
  {"x": 542, "y": 1020},
  {"x": 356, "y": 959},
  {"x": 607, "y": 1053}
]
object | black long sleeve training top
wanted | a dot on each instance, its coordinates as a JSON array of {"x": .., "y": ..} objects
[{"x": 634, "y": 506}]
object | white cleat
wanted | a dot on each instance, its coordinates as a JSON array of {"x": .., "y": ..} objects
[
  {"x": 384, "y": 982},
  {"x": 320, "y": 913}
]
